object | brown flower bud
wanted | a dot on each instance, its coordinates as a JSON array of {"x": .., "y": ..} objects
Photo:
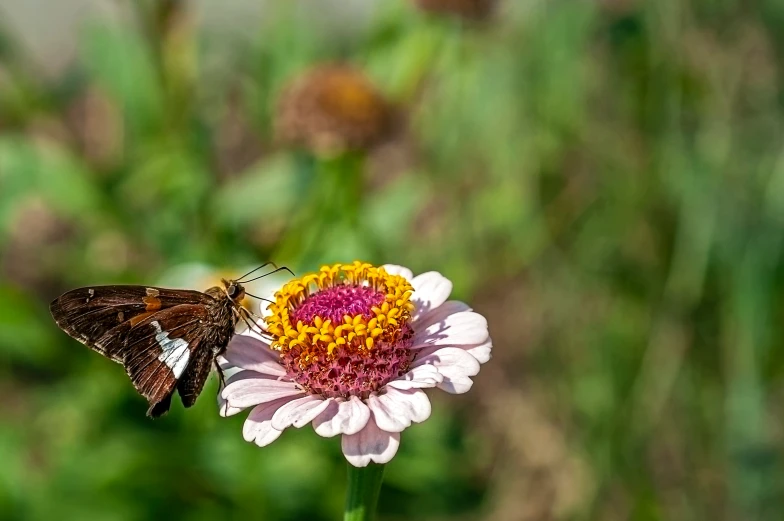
[
  {"x": 330, "y": 109},
  {"x": 469, "y": 9}
]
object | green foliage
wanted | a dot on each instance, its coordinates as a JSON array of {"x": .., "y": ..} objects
[{"x": 603, "y": 180}]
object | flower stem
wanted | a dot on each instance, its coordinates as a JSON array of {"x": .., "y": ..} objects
[{"x": 364, "y": 484}]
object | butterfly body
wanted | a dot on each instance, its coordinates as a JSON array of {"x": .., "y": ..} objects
[{"x": 166, "y": 339}]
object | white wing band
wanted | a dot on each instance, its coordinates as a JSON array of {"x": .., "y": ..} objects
[{"x": 175, "y": 350}]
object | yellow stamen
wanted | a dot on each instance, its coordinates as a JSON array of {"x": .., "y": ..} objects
[{"x": 357, "y": 333}]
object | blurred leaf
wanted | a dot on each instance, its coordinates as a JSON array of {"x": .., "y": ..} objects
[
  {"x": 168, "y": 177},
  {"x": 25, "y": 333},
  {"x": 121, "y": 62},
  {"x": 401, "y": 65},
  {"x": 45, "y": 169},
  {"x": 269, "y": 189},
  {"x": 390, "y": 214},
  {"x": 14, "y": 474}
]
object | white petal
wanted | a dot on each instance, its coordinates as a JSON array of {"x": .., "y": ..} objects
[
  {"x": 370, "y": 444},
  {"x": 456, "y": 365},
  {"x": 226, "y": 410},
  {"x": 431, "y": 289},
  {"x": 440, "y": 313},
  {"x": 394, "y": 269},
  {"x": 324, "y": 419},
  {"x": 244, "y": 375},
  {"x": 249, "y": 391},
  {"x": 450, "y": 361},
  {"x": 417, "y": 378},
  {"x": 395, "y": 410},
  {"x": 311, "y": 414},
  {"x": 452, "y": 325},
  {"x": 298, "y": 412},
  {"x": 247, "y": 352},
  {"x": 258, "y": 426},
  {"x": 482, "y": 352},
  {"x": 463, "y": 328},
  {"x": 342, "y": 417},
  {"x": 228, "y": 369},
  {"x": 456, "y": 385}
]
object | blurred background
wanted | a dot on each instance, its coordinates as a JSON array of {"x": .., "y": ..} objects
[{"x": 603, "y": 179}]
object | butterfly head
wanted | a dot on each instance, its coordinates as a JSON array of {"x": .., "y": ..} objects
[{"x": 234, "y": 290}]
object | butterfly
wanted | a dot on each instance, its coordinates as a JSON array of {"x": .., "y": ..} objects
[{"x": 167, "y": 339}]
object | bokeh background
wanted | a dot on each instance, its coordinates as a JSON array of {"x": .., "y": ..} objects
[{"x": 603, "y": 179}]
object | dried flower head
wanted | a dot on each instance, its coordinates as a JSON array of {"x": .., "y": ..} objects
[
  {"x": 350, "y": 349},
  {"x": 469, "y": 9},
  {"x": 330, "y": 109}
]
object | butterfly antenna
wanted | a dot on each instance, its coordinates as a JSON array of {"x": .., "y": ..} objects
[
  {"x": 260, "y": 298},
  {"x": 284, "y": 268},
  {"x": 239, "y": 279}
]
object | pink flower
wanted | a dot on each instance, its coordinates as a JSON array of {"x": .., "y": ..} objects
[{"x": 350, "y": 350}]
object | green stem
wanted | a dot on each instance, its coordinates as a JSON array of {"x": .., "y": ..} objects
[{"x": 364, "y": 484}]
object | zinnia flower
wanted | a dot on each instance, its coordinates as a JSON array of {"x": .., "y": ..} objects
[{"x": 350, "y": 350}]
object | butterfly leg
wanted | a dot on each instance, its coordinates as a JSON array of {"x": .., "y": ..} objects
[{"x": 221, "y": 385}]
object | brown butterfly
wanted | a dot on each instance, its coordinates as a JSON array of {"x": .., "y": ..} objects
[{"x": 167, "y": 339}]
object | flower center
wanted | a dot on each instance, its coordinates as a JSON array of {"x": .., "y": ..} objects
[
  {"x": 344, "y": 330},
  {"x": 336, "y": 302}
]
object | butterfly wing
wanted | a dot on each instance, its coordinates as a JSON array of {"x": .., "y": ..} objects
[
  {"x": 165, "y": 348},
  {"x": 101, "y": 317},
  {"x": 192, "y": 382}
]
